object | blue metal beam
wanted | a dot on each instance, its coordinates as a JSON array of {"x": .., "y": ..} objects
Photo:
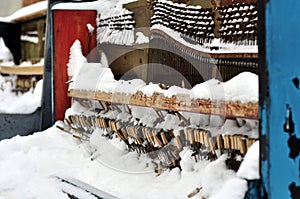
[{"x": 280, "y": 100}]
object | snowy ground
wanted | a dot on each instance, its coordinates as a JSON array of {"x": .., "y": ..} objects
[{"x": 29, "y": 163}]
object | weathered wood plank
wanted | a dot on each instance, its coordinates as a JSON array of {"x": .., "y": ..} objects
[
  {"x": 176, "y": 103},
  {"x": 22, "y": 70}
]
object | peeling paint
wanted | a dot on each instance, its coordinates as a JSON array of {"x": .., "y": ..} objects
[{"x": 295, "y": 190}]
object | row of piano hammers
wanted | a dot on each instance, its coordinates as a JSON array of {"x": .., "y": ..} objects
[{"x": 144, "y": 139}]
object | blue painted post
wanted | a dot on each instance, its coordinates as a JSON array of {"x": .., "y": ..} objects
[{"x": 280, "y": 100}]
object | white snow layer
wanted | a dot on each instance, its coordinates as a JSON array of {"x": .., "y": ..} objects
[
  {"x": 22, "y": 103},
  {"x": 95, "y": 77},
  {"x": 23, "y": 64},
  {"x": 100, "y": 5},
  {"x": 26, "y": 11},
  {"x": 90, "y": 28},
  {"x": 249, "y": 168},
  {"x": 105, "y": 165},
  {"x": 243, "y": 87},
  {"x": 31, "y": 39},
  {"x": 224, "y": 47},
  {"x": 76, "y": 61},
  {"x": 141, "y": 38}
]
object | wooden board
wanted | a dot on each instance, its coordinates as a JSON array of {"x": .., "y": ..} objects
[
  {"x": 22, "y": 70},
  {"x": 29, "y": 2},
  {"x": 176, "y": 103}
]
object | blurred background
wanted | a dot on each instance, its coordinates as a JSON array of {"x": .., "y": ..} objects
[{"x": 7, "y": 7}]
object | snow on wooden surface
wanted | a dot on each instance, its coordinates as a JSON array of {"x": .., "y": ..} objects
[{"x": 241, "y": 88}]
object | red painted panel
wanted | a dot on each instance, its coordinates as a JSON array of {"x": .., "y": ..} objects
[{"x": 69, "y": 25}]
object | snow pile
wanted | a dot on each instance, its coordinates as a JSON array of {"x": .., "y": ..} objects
[
  {"x": 215, "y": 175},
  {"x": 94, "y": 77},
  {"x": 129, "y": 87},
  {"x": 98, "y": 77},
  {"x": 243, "y": 88},
  {"x": 26, "y": 11},
  {"x": 22, "y": 103},
  {"x": 76, "y": 60},
  {"x": 211, "y": 89},
  {"x": 249, "y": 168},
  {"x": 141, "y": 38},
  {"x": 232, "y": 188},
  {"x": 43, "y": 155},
  {"x": 151, "y": 88}
]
